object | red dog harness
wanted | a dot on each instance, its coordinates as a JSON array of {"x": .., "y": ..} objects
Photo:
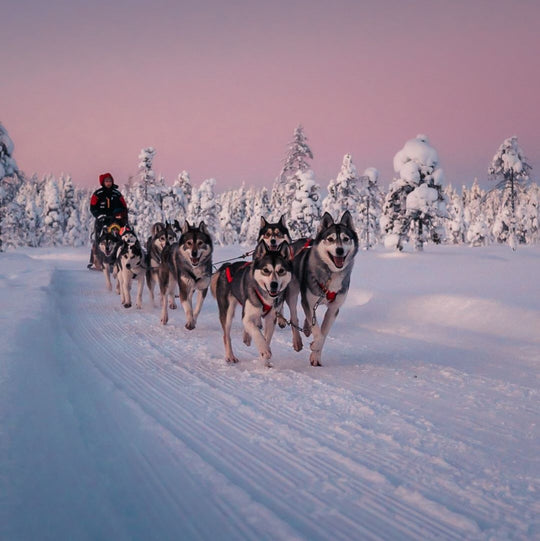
[{"x": 330, "y": 295}]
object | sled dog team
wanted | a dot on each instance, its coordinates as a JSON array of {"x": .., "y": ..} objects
[{"x": 317, "y": 270}]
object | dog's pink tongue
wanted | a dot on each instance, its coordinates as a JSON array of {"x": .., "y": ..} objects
[{"x": 339, "y": 261}]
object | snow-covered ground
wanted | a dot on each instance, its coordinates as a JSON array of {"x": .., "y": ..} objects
[{"x": 422, "y": 423}]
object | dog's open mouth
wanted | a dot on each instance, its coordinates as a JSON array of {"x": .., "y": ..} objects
[
  {"x": 195, "y": 261},
  {"x": 338, "y": 261},
  {"x": 272, "y": 294}
]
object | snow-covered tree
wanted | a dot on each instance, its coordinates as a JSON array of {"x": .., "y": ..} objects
[
  {"x": 10, "y": 180},
  {"x": 286, "y": 184},
  {"x": 204, "y": 208},
  {"x": 529, "y": 214},
  {"x": 306, "y": 206},
  {"x": 28, "y": 198},
  {"x": 415, "y": 199},
  {"x": 510, "y": 169},
  {"x": 455, "y": 224},
  {"x": 261, "y": 208},
  {"x": 343, "y": 192},
  {"x": 53, "y": 219},
  {"x": 146, "y": 173},
  {"x": 368, "y": 212}
]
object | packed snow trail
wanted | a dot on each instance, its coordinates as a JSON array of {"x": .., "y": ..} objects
[{"x": 117, "y": 427}]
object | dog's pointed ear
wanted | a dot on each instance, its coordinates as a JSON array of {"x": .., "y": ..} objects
[
  {"x": 347, "y": 220},
  {"x": 326, "y": 222},
  {"x": 177, "y": 226},
  {"x": 203, "y": 228},
  {"x": 284, "y": 250},
  {"x": 167, "y": 224},
  {"x": 263, "y": 221},
  {"x": 260, "y": 251},
  {"x": 185, "y": 227},
  {"x": 283, "y": 221}
]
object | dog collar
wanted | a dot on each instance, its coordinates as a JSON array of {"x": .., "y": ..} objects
[
  {"x": 266, "y": 307},
  {"x": 330, "y": 295}
]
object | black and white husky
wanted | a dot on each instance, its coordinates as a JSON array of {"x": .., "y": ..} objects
[
  {"x": 130, "y": 266},
  {"x": 161, "y": 236},
  {"x": 259, "y": 286},
  {"x": 273, "y": 234},
  {"x": 187, "y": 263},
  {"x": 107, "y": 242},
  {"x": 322, "y": 269}
]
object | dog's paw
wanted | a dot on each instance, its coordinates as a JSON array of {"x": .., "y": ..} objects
[
  {"x": 307, "y": 328},
  {"x": 139, "y": 306},
  {"x": 315, "y": 358},
  {"x": 282, "y": 322},
  {"x": 164, "y": 320},
  {"x": 173, "y": 306},
  {"x": 297, "y": 343},
  {"x": 190, "y": 325},
  {"x": 247, "y": 339},
  {"x": 127, "y": 305},
  {"x": 266, "y": 353},
  {"x": 231, "y": 359}
]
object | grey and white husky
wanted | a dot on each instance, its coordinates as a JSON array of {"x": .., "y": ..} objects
[
  {"x": 161, "y": 235},
  {"x": 130, "y": 266},
  {"x": 107, "y": 243},
  {"x": 322, "y": 270},
  {"x": 273, "y": 234},
  {"x": 259, "y": 286},
  {"x": 187, "y": 263}
]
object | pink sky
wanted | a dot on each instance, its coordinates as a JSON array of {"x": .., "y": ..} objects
[{"x": 218, "y": 87}]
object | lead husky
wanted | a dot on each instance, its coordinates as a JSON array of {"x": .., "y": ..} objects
[
  {"x": 161, "y": 236},
  {"x": 129, "y": 266},
  {"x": 107, "y": 243},
  {"x": 187, "y": 263},
  {"x": 260, "y": 288},
  {"x": 322, "y": 269}
]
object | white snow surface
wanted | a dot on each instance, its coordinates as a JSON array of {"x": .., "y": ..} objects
[{"x": 422, "y": 423}]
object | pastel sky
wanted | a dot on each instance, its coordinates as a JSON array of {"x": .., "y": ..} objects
[{"x": 217, "y": 87}]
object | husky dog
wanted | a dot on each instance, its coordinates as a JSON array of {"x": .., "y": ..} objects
[
  {"x": 107, "y": 243},
  {"x": 260, "y": 288},
  {"x": 129, "y": 266},
  {"x": 274, "y": 234},
  {"x": 161, "y": 235},
  {"x": 322, "y": 269},
  {"x": 187, "y": 263}
]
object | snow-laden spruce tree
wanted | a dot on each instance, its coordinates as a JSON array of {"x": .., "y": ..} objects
[
  {"x": 204, "y": 208},
  {"x": 369, "y": 208},
  {"x": 146, "y": 172},
  {"x": 474, "y": 214},
  {"x": 529, "y": 214},
  {"x": 343, "y": 192},
  {"x": 28, "y": 198},
  {"x": 305, "y": 211},
  {"x": 455, "y": 223},
  {"x": 53, "y": 218},
  {"x": 261, "y": 208},
  {"x": 415, "y": 200},
  {"x": 510, "y": 169},
  {"x": 145, "y": 196},
  {"x": 183, "y": 182},
  {"x": 286, "y": 184},
  {"x": 229, "y": 229},
  {"x": 10, "y": 181}
]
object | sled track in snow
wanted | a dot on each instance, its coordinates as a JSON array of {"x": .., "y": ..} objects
[{"x": 268, "y": 453}]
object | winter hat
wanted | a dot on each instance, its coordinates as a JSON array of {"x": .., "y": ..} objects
[{"x": 104, "y": 176}]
